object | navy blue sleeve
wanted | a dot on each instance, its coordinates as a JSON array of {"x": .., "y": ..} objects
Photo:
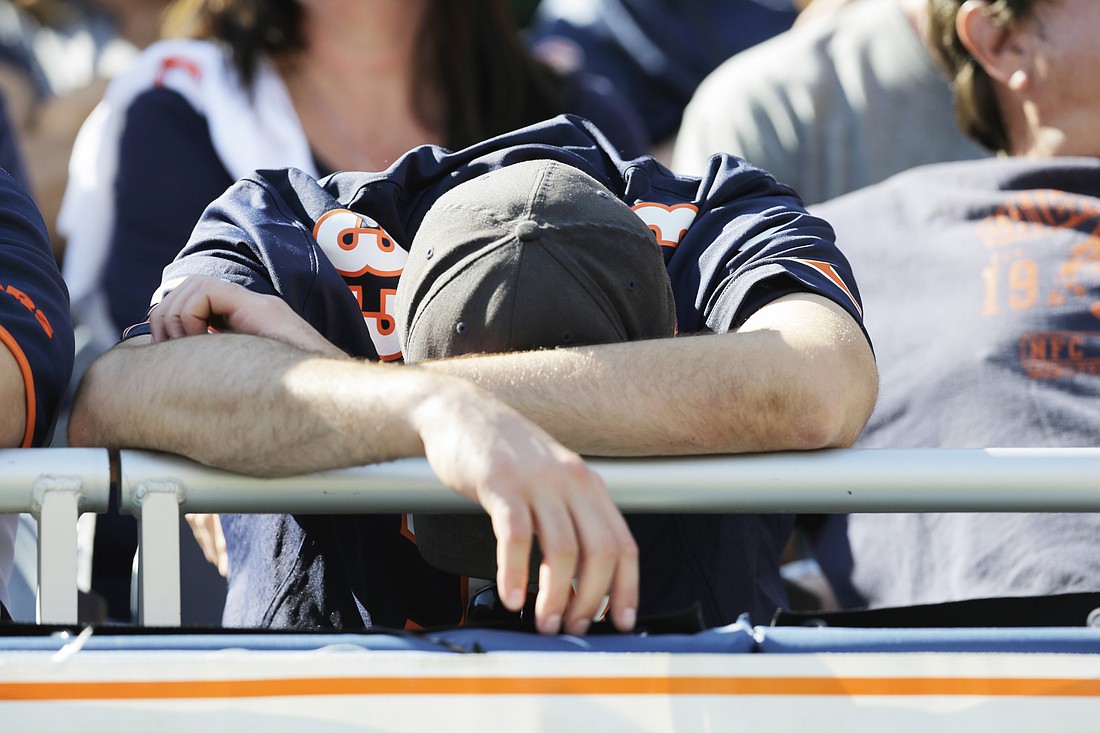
[
  {"x": 34, "y": 310},
  {"x": 259, "y": 234},
  {"x": 735, "y": 240},
  {"x": 168, "y": 172}
]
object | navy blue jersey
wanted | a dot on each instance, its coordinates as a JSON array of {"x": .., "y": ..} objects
[
  {"x": 334, "y": 249},
  {"x": 733, "y": 240},
  {"x": 34, "y": 310},
  {"x": 166, "y": 140}
]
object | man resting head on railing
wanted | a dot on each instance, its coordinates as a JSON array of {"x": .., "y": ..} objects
[
  {"x": 286, "y": 386},
  {"x": 36, "y": 341}
]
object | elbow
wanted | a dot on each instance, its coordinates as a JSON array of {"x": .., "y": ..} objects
[
  {"x": 823, "y": 423},
  {"x": 833, "y": 414}
]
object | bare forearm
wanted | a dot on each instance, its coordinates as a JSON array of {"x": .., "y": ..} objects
[
  {"x": 288, "y": 402},
  {"x": 770, "y": 386},
  {"x": 253, "y": 405},
  {"x": 13, "y": 397}
]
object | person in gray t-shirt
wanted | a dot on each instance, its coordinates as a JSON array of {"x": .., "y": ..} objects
[
  {"x": 981, "y": 289},
  {"x": 839, "y": 102}
]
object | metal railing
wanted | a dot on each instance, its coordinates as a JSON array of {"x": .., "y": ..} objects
[
  {"x": 57, "y": 484},
  {"x": 157, "y": 488}
]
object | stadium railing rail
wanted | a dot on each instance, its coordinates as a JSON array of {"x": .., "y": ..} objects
[
  {"x": 158, "y": 488},
  {"x": 57, "y": 484}
]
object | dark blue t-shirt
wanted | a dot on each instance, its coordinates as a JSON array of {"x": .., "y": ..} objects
[
  {"x": 655, "y": 52},
  {"x": 733, "y": 241}
]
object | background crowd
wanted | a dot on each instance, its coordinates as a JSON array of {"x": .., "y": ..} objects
[{"x": 949, "y": 145}]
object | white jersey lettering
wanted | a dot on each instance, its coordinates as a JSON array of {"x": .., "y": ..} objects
[
  {"x": 669, "y": 223},
  {"x": 356, "y": 245}
]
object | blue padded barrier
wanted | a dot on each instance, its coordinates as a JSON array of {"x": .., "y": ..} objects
[
  {"x": 737, "y": 638},
  {"x": 733, "y": 639},
  {"x": 797, "y": 640}
]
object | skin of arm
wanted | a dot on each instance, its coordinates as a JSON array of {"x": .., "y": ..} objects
[
  {"x": 13, "y": 398},
  {"x": 292, "y": 411},
  {"x": 797, "y": 375}
]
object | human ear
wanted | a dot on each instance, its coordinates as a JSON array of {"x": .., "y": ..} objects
[{"x": 1003, "y": 51}]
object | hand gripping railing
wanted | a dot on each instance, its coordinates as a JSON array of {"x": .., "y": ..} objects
[
  {"x": 158, "y": 487},
  {"x": 56, "y": 485}
]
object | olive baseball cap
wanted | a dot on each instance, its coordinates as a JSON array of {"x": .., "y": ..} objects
[{"x": 533, "y": 255}]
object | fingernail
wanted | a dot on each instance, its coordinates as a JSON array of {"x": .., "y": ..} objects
[
  {"x": 579, "y": 627},
  {"x": 552, "y": 625},
  {"x": 515, "y": 598},
  {"x": 629, "y": 617}
]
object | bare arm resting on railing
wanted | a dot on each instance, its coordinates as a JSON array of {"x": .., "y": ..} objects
[
  {"x": 255, "y": 405},
  {"x": 797, "y": 375},
  {"x": 258, "y": 406}
]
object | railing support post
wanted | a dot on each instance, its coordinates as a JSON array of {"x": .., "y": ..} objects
[
  {"x": 157, "y": 505},
  {"x": 56, "y": 506}
]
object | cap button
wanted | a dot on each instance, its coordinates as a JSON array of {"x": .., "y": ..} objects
[{"x": 527, "y": 230}]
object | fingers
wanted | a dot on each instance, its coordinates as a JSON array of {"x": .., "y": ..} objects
[
  {"x": 588, "y": 553},
  {"x": 627, "y": 580},
  {"x": 532, "y": 485},
  {"x": 198, "y": 304},
  {"x": 608, "y": 566},
  {"x": 187, "y": 310},
  {"x": 560, "y": 553},
  {"x": 207, "y": 529},
  {"x": 514, "y": 532}
]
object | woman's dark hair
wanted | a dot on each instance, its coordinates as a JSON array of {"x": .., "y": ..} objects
[
  {"x": 976, "y": 105},
  {"x": 472, "y": 53},
  {"x": 490, "y": 82}
]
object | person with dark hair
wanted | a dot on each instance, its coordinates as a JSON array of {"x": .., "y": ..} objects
[
  {"x": 981, "y": 282},
  {"x": 543, "y": 237},
  {"x": 36, "y": 342},
  {"x": 321, "y": 85}
]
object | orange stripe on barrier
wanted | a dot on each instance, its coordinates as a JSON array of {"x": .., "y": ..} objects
[{"x": 586, "y": 686}]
